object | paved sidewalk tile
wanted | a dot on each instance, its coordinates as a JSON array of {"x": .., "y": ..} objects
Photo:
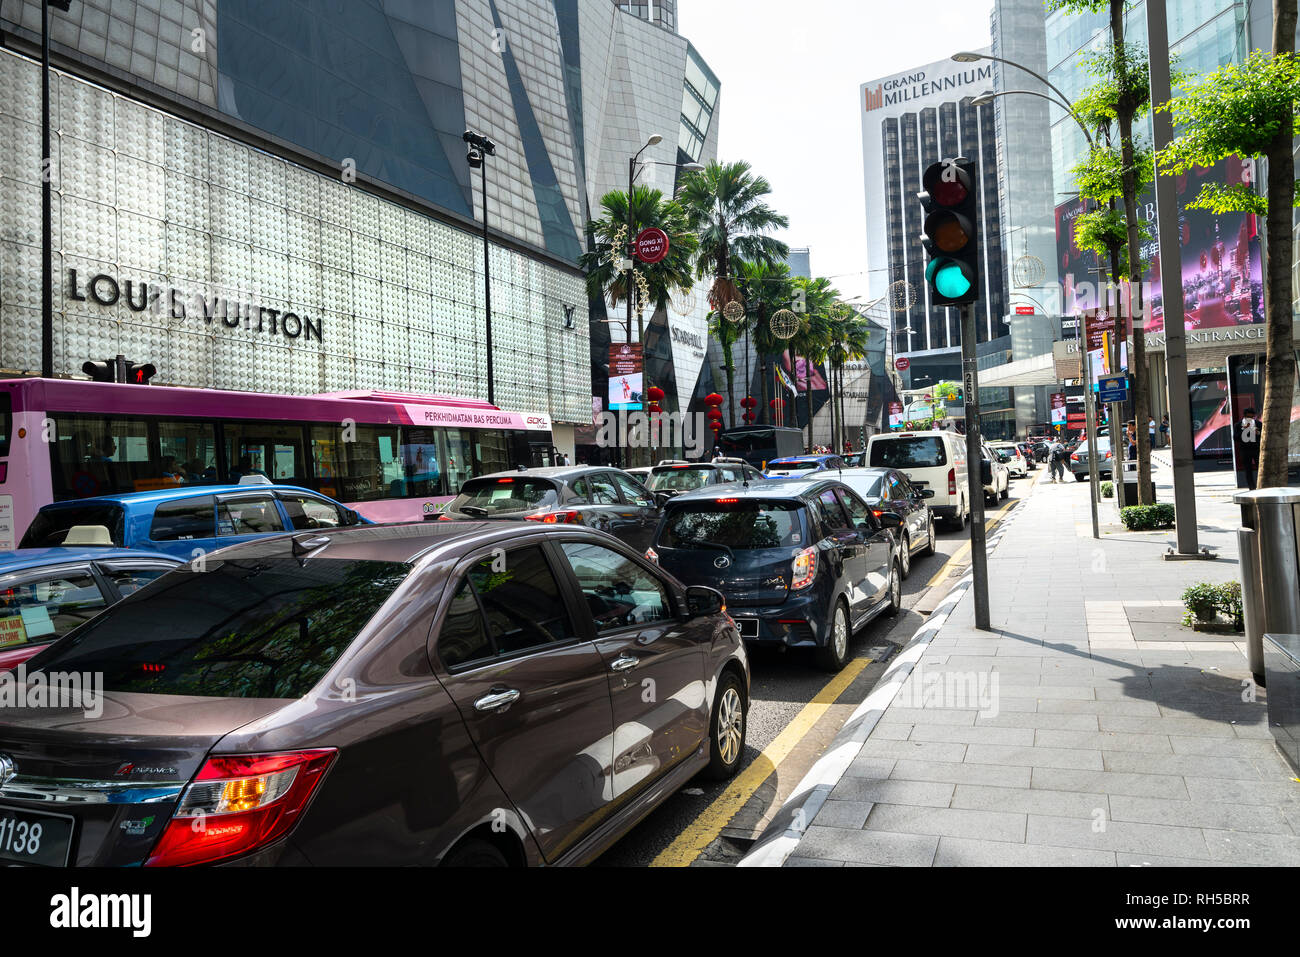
[{"x": 1103, "y": 733}]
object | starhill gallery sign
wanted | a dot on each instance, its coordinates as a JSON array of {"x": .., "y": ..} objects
[{"x": 158, "y": 298}]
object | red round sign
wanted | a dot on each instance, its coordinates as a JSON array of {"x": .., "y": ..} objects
[
  {"x": 651, "y": 245},
  {"x": 902, "y": 363}
]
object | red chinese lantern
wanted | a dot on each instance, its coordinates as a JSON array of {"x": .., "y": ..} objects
[
  {"x": 777, "y": 404},
  {"x": 713, "y": 399},
  {"x": 715, "y": 415},
  {"x": 715, "y": 426},
  {"x": 748, "y": 402},
  {"x": 655, "y": 408},
  {"x": 655, "y": 394},
  {"x": 749, "y": 417}
]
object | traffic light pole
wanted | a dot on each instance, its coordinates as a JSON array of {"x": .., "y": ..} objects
[{"x": 975, "y": 482}]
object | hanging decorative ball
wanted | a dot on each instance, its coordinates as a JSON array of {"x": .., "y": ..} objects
[
  {"x": 713, "y": 399},
  {"x": 777, "y": 404},
  {"x": 1028, "y": 272},
  {"x": 902, "y": 296},
  {"x": 749, "y": 417},
  {"x": 748, "y": 402},
  {"x": 684, "y": 302},
  {"x": 734, "y": 311},
  {"x": 784, "y": 324},
  {"x": 655, "y": 393},
  {"x": 715, "y": 415},
  {"x": 716, "y": 426}
]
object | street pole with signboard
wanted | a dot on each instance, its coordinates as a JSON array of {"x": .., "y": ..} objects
[{"x": 975, "y": 480}]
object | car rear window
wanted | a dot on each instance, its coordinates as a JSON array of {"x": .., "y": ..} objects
[
  {"x": 489, "y": 496},
  {"x": 794, "y": 466},
  {"x": 911, "y": 452},
  {"x": 679, "y": 478},
  {"x": 51, "y": 525},
  {"x": 183, "y": 519},
  {"x": 246, "y": 628},
  {"x": 743, "y": 524}
]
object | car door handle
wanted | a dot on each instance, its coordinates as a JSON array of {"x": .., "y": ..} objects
[
  {"x": 496, "y": 698},
  {"x": 624, "y": 663}
]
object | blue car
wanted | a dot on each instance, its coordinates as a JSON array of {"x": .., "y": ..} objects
[
  {"x": 46, "y": 592},
  {"x": 186, "y": 522},
  {"x": 797, "y": 466}
]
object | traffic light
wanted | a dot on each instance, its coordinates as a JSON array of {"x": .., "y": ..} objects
[
  {"x": 101, "y": 371},
  {"x": 139, "y": 373},
  {"x": 951, "y": 232}
]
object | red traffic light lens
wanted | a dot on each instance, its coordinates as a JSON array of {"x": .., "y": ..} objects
[{"x": 949, "y": 193}]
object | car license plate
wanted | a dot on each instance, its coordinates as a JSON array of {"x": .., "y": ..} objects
[
  {"x": 35, "y": 837},
  {"x": 748, "y": 627}
]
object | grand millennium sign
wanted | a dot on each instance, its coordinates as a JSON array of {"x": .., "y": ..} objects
[{"x": 917, "y": 86}]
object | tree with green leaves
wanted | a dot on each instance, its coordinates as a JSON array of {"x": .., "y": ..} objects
[
  {"x": 727, "y": 333},
  {"x": 850, "y": 336},
  {"x": 1122, "y": 93},
  {"x": 726, "y": 208},
  {"x": 767, "y": 288},
  {"x": 1249, "y": 110},
  {"x": 813, "y": 340},
  {"x": 653, "y": 283}
]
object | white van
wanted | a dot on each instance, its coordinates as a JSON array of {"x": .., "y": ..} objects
[{"x": 935, "y": 460}]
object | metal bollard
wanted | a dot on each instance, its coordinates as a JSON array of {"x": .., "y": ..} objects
[{"x": 1252, "y": 612}]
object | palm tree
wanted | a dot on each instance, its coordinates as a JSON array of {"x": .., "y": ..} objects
[
  {"x": 766, "y": 288},
  {"x": 661, "y": 279},
  {"x": 813, "y": 340},
  {"x": 727, "y": 332},
  {"x": 850, "y": 334},
  {"x": 724, "y": 206}
]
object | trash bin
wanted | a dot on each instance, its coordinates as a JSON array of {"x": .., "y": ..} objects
[
  {"x": 1270, "y": 568},
  {"x": 1131, "y": 484}
]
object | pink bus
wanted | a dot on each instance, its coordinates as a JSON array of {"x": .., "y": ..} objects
[{"x": 390, "y": 456}]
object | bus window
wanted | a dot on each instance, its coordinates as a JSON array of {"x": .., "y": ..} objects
[
  {"x": 95, "y": 455},
  {"x": 262, "y": 448},
  {"x": 6, "y": 422},
  {"x": 421, "y": 464}
]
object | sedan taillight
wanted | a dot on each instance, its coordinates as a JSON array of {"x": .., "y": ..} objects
[
  {"x": 804, "y": 569},
  {"x": 239, "y": 803}
]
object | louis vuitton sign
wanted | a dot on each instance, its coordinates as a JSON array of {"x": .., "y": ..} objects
[{"x": 160, "y": 299}]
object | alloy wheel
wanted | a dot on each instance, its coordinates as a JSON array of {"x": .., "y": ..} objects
[
  {"x": 905, "y": 554},
  {"x": 840, "y": 636},
  {"x": 731, "y": 725}
]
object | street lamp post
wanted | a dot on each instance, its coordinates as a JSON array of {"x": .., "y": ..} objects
[
  {"x": 1089, "y": 405},
  {"x": 480, "y": 147}
]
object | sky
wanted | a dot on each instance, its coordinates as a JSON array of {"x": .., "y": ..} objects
[{"x": 790, "y": 72}]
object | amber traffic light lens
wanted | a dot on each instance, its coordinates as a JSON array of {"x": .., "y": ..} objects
[{"x": 950, "y": 236}]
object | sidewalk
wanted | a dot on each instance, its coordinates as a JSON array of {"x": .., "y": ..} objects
[{"x": 1088, "y": 728}]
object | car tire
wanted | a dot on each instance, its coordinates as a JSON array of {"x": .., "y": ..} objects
[
  {"x": 475, "y": 853},
  {"x": 1078, "y": 477},
  {"x": 929, "y": 540},
  {"x": 905, "y": 554},
  {"x": 727, "y": 728},
  {"x": 895, "y": 591},
  {"x": 1006, "y": 491},
  {"x": 834, "y": 655}
]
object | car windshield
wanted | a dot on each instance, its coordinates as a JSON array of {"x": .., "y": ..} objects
[
  {"x": 678, "y": 479},
  {"x": 908, "y": 452},
  {"x": 51, "y": 525},
  {"x": 741, "y": 524},
  {"x": 241, "y": 628},
  {"x": 489, "y": 496},
  {"x": 795, "y": 466}
]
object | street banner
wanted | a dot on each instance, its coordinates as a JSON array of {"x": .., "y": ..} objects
[
  {"x": 786, "y": 380},
  {"x": 895, "y": 415},
  {"x": 626, "y": 375},
  {"x": 1058, "y": 408}
]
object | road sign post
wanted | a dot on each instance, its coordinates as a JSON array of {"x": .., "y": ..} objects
[{"x": 974, "y": 478}]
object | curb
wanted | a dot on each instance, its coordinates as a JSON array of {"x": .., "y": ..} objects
[{"x": 779, "y": 840}]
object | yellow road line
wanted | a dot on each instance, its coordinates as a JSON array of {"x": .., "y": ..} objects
[
  {"x": 691, "y": 843},
  {"x": 960, "y": 554}
]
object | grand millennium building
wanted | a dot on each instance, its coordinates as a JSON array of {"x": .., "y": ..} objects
[{"x": 279, "y": 192}]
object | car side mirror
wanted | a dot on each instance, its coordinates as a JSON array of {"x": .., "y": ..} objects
[
  {"x": 891, "y": 520},
  {"x": 702, "y": 601},
  {"x": 927, "y": 493},
  {"x": 661, "y": 498}
]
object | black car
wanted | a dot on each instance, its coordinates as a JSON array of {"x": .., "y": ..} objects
[
  {"x": 802, "y": 562},
  {"x": 594, "y": 496},
  {"x": 673, "y": 478},
  {"x": 888, "y": 490}
]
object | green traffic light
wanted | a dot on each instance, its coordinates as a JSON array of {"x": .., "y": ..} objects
[{"x": 948, "y": 278}]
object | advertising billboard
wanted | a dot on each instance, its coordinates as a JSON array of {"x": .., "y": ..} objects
[
  {"x": 626, "y": 378},
  {"x": 1222, "y": 273}
]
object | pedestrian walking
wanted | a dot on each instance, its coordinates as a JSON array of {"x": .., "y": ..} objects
[
  {"x": 1056, "y": 457},
  {"x": 1164, "y": 430},
  {"x": 1248, "y": 430}
]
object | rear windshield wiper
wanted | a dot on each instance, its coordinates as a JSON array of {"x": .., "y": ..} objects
[
  {"x": 473, "y": 510},
  {"x": 700, "y": 543}
]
